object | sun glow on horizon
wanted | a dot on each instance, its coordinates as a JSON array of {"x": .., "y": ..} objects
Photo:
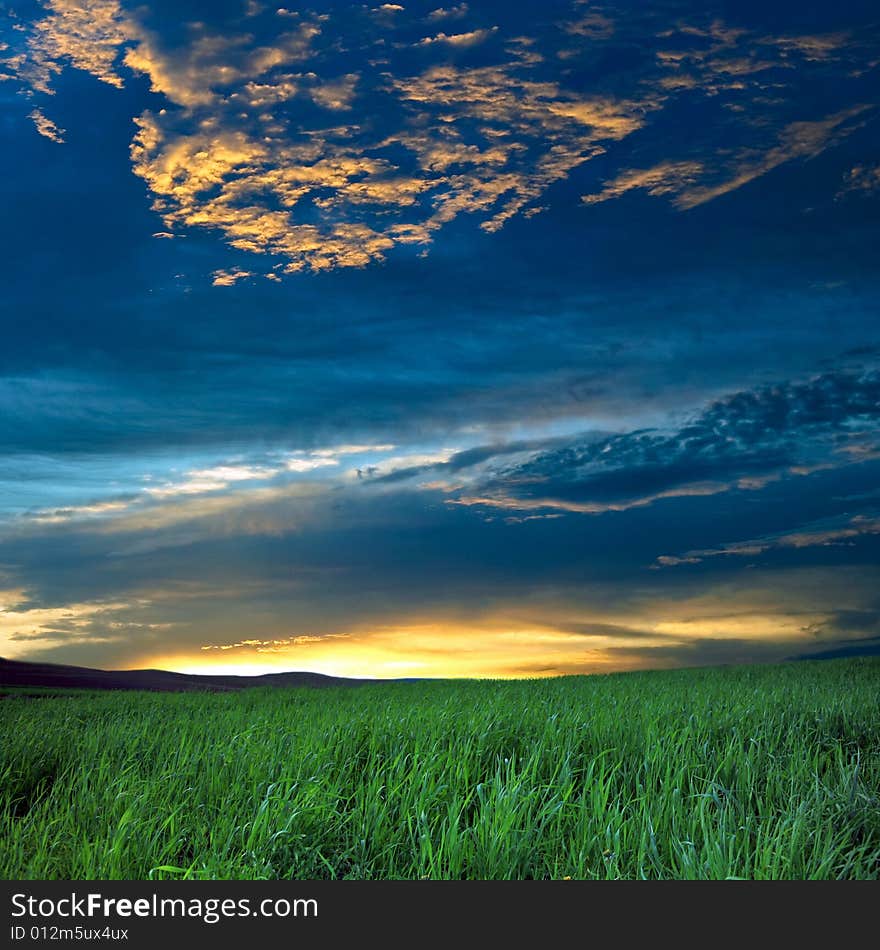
[
  {"x": 440, "y": 650},
  {"x": 427, "y": 650}
]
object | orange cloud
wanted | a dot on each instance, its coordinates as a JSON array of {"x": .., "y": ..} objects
[
  {"x": 229, "y": 155},
  {"x": 46, "y": 127}
]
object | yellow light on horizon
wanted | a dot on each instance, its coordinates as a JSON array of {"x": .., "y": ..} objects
[{"x": 429, "y": 651}]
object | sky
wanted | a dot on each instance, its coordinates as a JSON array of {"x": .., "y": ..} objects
[{"x": 491, "y": 339}]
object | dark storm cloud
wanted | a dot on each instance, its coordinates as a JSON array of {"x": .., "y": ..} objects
[
  {"x": 747, "y": 436},
  {"x": 461, "y": 461},
  {"x": 832, "y": 400}
]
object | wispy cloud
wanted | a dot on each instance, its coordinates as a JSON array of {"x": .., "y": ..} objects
[
  {"x": 46, "y": 127},
  {"x": 24, "y": 624},
  {"x": 216, "y": 478},
  {"x": 185, "y": 496},
  {"x": 687, "y": 182},
  {"x": 663, "y": 179},
  {"x": 309, "y": 464},
  {"x": 845, "y": 531},
  {"x": 77, "y": 512},
  {"x": 798, "y": 140}
]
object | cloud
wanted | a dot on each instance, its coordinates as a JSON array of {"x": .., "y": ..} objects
[
  {"x": 336, "y": 95},
  {"x": 88, "y": 36},
  {"x": 743, "y": 441},
  {"x": 544, "y": 355},
  {"x": 568, "y": 130},
  {"x": 861, "y": 180},
  {"x": 594, "y": 25},
  {"x": 556, "y": 503},
  {"x": 335, "y": 451},
  {"x": 275, "y": 645},
  {"x": 402, "y": 467},
  {"x": 23, "y": 623},
  {"x": 162, "y": 501},
  {"x": 215, "y": 478},
  {"x": 798, "y": 140},
  {"x": 210, "y": 179},
  {"x": 543, "y": 637},
  {"x": 46, "y": 127},
  {"x": 309, "y": 464},
  {"x": 229, "y": 278},
  {"x": 449, "y": 13},
  {"x": 242, "y": 146},
  {"x": 685, "y": 181},
  {"x": 531, "y": 598},
  {"x": 187, "y": 514},
  {"x": 473, "y": 38},
  {"x": 663, "y": 179},
  {"x": 203, "y": 73},
  {"x": 823, "y": 535},
  {"x": 485, "y": 140},
  {"x": 500, "y": 642},
  {"x": 77, "y": 512},
  {"x": 817, "y": 48}
]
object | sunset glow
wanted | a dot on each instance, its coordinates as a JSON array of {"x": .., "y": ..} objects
[{"x": 492, "y": 340}]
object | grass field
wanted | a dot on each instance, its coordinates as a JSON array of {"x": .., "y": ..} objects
[{"x": 750, "y": 772}]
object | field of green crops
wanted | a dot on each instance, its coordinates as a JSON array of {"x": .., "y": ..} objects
[{"x": 750, "y": 772}]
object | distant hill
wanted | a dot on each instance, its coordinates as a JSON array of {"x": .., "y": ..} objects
[{"x": 19, "y": 673}]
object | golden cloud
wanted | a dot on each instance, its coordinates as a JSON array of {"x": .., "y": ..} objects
[
  {"x": 230, "y": 155},
  {"x": 22, "y": 624},
  {"x": 46, "y": 127},
  {"x": 319, "y": 197},
  {"x": 90, "y": 36},
  {"x": 473, "y": 38},
  {"x": 663, "y": 179},
  {"x": 229, "y": 278}
]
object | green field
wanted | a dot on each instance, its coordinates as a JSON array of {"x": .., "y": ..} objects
[{"x": 748, "y": 772}]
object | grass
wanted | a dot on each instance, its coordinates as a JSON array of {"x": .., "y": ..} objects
[{"x": 749, "y": 772}]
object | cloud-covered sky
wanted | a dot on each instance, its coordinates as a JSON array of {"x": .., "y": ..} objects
[{"x": 403, "y": 339}]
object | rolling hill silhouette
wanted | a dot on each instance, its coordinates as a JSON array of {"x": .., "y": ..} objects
[{"x": 20, "y": 673}]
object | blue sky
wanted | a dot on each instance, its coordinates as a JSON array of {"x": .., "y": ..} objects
[{"x": 485, "y": 339}]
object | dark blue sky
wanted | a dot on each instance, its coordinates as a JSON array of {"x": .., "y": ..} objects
[{"x": 485, "y": 339}]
